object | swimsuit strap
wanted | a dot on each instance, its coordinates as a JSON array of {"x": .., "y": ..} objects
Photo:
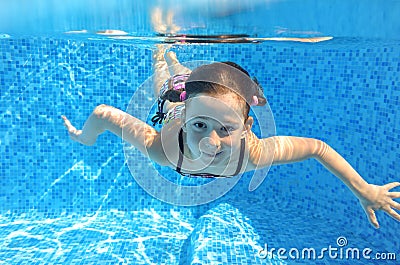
[
  {"x": 241, "y": 155},
  {"x": 181, "y": 150},
  {"x": 180, "y": 159}
]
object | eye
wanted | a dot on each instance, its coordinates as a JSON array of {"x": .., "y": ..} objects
[
  {"x": 200, "y": 125},
  {"x": 227, "y": 129}
]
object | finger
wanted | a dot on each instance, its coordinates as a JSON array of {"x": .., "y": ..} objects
[
  {"x": 395, "y": 205},
  {"x": 394, "y": 194},
  {"x": 66, "y": 121},
  {"x": 392, "y": 213},
  {"x": 69, "y": 126},
  {"x": 391, "y": 185},
  {"x": 371, "y": 217}
]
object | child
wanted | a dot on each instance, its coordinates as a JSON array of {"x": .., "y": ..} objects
[{"x": 207, "y": 131}]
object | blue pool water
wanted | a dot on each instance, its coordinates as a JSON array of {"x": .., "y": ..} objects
[{"x": 64, "y": 203}]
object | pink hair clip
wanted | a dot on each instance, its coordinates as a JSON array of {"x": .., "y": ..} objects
[
  {"x": 254, "y": 101},
  {"x": 182, "y": 96}
]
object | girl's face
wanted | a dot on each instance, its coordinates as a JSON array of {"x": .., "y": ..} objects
[{"x": 214, "y": 127}]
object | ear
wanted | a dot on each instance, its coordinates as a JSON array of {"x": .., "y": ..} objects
[
  {"x": 249, "y": 123},
  {"x": 247, "y": 126}
]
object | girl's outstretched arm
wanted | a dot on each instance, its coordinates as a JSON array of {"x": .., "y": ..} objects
[
  {"x": 136, "y": 132},
  {"x": 289, "y": 149}
]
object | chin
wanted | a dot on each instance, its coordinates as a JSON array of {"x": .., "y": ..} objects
[{"x": 215, "y": 158}]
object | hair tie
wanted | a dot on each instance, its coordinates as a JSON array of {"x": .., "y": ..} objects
[
  {"x": 182, "y": 96},
  {"x": 254, "y": 101}
]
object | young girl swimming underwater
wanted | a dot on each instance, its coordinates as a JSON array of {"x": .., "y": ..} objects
[{"x": 207, "y": 131}]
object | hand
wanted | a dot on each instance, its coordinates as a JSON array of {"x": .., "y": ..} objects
[
  {"x": 379, "y": 198},
  {"x": 75, "y": 134}
]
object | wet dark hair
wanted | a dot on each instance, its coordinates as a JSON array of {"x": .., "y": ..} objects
[{"x": 220, "y": 79}]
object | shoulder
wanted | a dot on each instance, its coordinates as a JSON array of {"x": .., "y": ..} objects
[
  {"x": 166, "y": 147},
  {"x": 261, "y": 151}
]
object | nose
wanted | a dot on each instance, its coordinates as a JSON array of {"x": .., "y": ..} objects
[
  {"x": 212, "y": 142},
  {"x": 214, "y": 139}
]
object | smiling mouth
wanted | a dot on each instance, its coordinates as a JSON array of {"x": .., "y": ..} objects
[{"x": 213, "y": 155}]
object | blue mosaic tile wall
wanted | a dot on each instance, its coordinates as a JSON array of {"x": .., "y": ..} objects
[{"x": 345, "y": 94}]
